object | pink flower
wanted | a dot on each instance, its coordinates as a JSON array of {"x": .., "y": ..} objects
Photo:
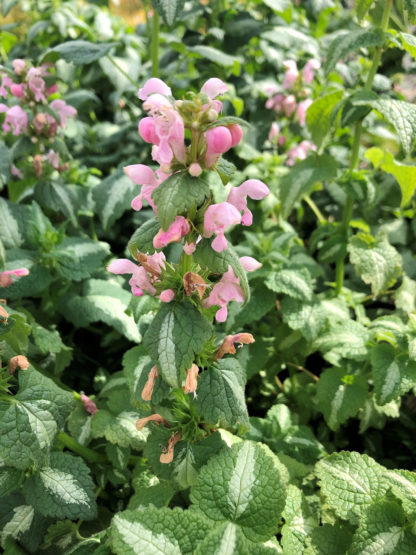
[
  {"x": 219, "y": 140},
  {"x": 291, "y": 74},
  {"x": 5, "y": 82},
  {"x": 144, "y": 176},
  {"x": 255, "y": 189},
  {"x": 139, "y": 281},
  {"x": 64, "y": 110},
  {"x": 51, "y": 90},
  {"x": 189, "y": 248},
  {"x": 19, "y": 66},
  {"x": 17, "y": 90},
  {"x": 6, "y": 277},
  {"x": 274, "y": 132},
  {"x": 154, "y": 85},
  {"x": 16, "y": 172},
  {"x": 195, "y": 169},
  {"x": 177, "y": 229},
  {"x": 302, "y": 109},
  {"x": 236, "y": 134},
  {"x": 289, "y": 105},
  {"x": 15, "y": 117},
  {"x": 299, "y": 152},
  {"x": 214, "y": 87},
  {"x": 147, "y": 131},
  {"x": 308, "y": 71},
  {"x": 226, "y": 290},
  {"x": 275, "y": 102},
  {"x": 250, "y": 264},
  {"x": 167, "y": 295},
  {"x": 36, "y": 84},
  {"x": 217, "y": 219},
  {"x": 53, "y": 158},
  {"x": 169, "y": 128},
  {"x": 89, "y": 404}
]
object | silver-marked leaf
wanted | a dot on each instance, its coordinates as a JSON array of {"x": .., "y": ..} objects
[
  {"x": 351, "y": 41},
  {"x": 120, "y": 430},
  {"x": 170, "y": 10},
  {"x": 405, "y": 295},
  {"x": 19, "y": 524},
  {"x": 344, "y": 340},
  {"x": 299, "y": 521},
  {"x": 351, "y": 483},
  {"x": 329, "y": 540},
  {"x": 296, "y": 283},
  {"x": 113, "y": 197},
  {"x": 177, "y": 333},
  {"x": 244, "y": 485},
  {"x": 78, "y": 258},
  {"x": 158, "y": 531},
  {"x": 226, "y": 539},
  {"x": 79, "y": 52},
  {"x": 393, "y": 375},
  {"x": 64, "y": 489},
  {"x": 403, "y": 485}
]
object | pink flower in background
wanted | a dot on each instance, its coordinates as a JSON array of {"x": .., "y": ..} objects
[
  {"x": 302, "y": 109},
  {"x": 15, "y": 118},
  {"x": 89, "y": 404},
  {"x": 167, "y": 295},
  {"x": 274, "y": 132},
  {"x": 36, "y": 84},
  {"x": 217, "y": 219},
  {"x": 16, "y": 172},
  {"x": 19, "y": 66},
  {"x": 275, "y": 102},
  {"x": 177, "y": 229},
  {"x": 17, "y": 90},
  {"x": 53, "y": 158},
  {"x": 139, "y": 281},
  {"x": 289, "y": 105},
  {"x": 51, "y": 90},
  {"x": 291, "y": 74},
  {"x": 64, "y": 110},
  {"x": 5, "y": 82},
  {"x": 152, "y": 86},
  {"x": 226, "y": 290},
  {"x": 308, "y": 72},
  {"x": 144, "y": 176},
  {"x": 250, "y": 264},
  {"x": 6, "y": 277},
  {"x": 299, "y": 152},
  {"x": 253, "y": 188},
  {"x": 147, "y": 131}
]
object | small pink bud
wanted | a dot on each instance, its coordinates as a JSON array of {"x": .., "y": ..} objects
[
  {"x": 167, "y": 295},
  {"x": 218, "y": 139},
  {"x": 195, "y": 169},
  {"x": 17, "y": 90},
  {"x": 89, "y": 404}
]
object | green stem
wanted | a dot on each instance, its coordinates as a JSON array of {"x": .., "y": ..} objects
[
  {"x": 155, "y": 44},
  {"x": 314, "y": 209},
  {"x": 349, "y": 204},
  {"x": 121, "y": 70},
  {"x": 88, "y": 454}
]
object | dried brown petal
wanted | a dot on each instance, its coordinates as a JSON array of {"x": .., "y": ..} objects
[
  {"x": 156, "y": 418},
  {"x": 149, "y": 385},
  {"x": 143, "y": 260},
  {"x": 191, "y": 381},
  {"x": 3, "y": 314},
  {"x": 167, "y": 456},
  {"x": 193, "y": 282},
  {"x": 19, "y": 361},
  {"x": 37, "y": 164},
  {"x": 227, "y": 347}
]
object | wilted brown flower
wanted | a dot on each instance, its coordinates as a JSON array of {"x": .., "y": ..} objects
[
  {"x": 191, "y": 381},
  {"x": 19, "y": 361},
  {"x": 149, "y": 385},
  {"x": 193, "y": 282},
  {"x": 227, "y": 346},
  {"x": 156, "y": 418},
  {"x": 167, "y": 456}
]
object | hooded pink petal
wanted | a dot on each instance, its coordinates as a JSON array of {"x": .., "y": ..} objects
[
  {"x": 177, "y": 229},
  {"x": 214, "y": 87},
  {"x": 122, "y": 266},
  {"x": 152, "y": 86},
  {"x": 291, "y": 74},
  {"x": 250, "y": 264}
]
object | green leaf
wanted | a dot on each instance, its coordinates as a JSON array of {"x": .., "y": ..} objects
[
  {"x": 31, "y": 419},
  {"x": 345, "y": 339},
  {"x": 19, "y": 524},
  {"x": 218, "y": 262},
  {"x": 13, "y": 219},
  {"x": 142, "y": 238},
  {"x": 410, "y": 7},
  {"x": 101, "y": 301},
  {"x": 78, "y": 52},
  {"x": 296, "y": 283},
  {"x": 402, "y": 115},
  {"x": 225, "y": 539},
  {"x": 55, "y": 197},
  {"x": 10, "y": 479},
  {"x": 4, "y": 164},
  {"x": 299, "y": 521},
  {"x": 120, "y": 430},
  {"x": 136, "y": 364},
  {"x": 177, "y": 333},
  {"x": 351, "y": 41},
  {"x": 329, "y": 540},
  {"x": 304, "y": 175},
  {"x": 351, "y": 483},
  {"x": 404, "y": 173},
  {"x": 77, "y": 258},
  {"x": 340, "y": 395},
  {"x": 405, "y": 295},
  {"x": 221, "y": 400},
  {"x": 158, "y": 496},
  {"x": 392, "y": 375},
  {"x": 375, "y": 261},
  {"x": 362, "y": 7},
  {"x": 382, "y": 530},
  {"x": 403, "y": 485},
  {"x": 7, "y": 5},
  {"x": 170, "y": 10},
  {"x": 64, "y": 489},
  {"x": 157, "y": 531},
  {"x": 113, "y": 197},
  {"x": 216, "y": 56},
  {"x": 318, "y": 116},
  {"x": 244, "y": 485},
  {"x": 178, "y": 194},
  {"x": 408, "y": 42}
]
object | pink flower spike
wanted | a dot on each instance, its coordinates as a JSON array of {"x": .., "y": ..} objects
[
  {"x": 19, "y": 66},
  {"x": 167, "y": 295},
  {"x": 154, "y": 85},
  {"x": 217, "y": 219},
  {"x": 177, "y": 229},
  {"x": 302, "y": 109},
  {"x": 250, "y": 264},
  {"x": 289, "y": 105},
  {"x": 308, "y": 72},
  {"x": 236, "y": 134},
  {"x": 89, "y": 404},
  {"x": 274, "y": 132},
  {"x": 226, "y": 290},
  {"x": 147, "y": 131},
  {"x": 253, "y": 188},
  {"x": 64, "y": 110},
  {"x": 291, "y": 74},
  {"x": 219, "y": 140},
  {"x": 214, "y": 87}
]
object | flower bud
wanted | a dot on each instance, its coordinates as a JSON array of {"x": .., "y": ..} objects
[
  {"x": 195, "y": 169},
  {"x": 236, "y": 134},
  {"x": 212, "y": 115},
  {"x": 218, "y": 139},
  {"x": 167, "y": 295}
]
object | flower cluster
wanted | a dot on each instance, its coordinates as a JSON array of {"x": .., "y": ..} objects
[
  {"x": 292, "y": 100},
  {"x": 33, "y": 109}
]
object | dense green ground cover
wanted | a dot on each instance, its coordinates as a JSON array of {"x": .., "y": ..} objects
[{"x": 302, "y": 441}]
